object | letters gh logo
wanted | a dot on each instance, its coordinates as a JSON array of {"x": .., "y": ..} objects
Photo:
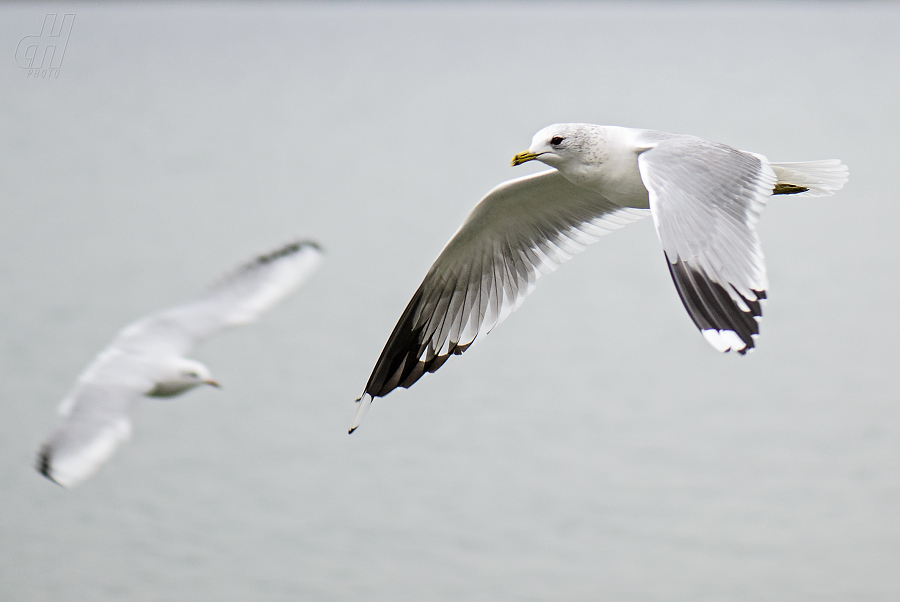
[{"x": 46, "y": 50}]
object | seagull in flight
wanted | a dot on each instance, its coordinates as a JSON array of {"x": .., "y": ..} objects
[
  {"x": 146, "y": 359},
  {"x": 704, "y": 197}
]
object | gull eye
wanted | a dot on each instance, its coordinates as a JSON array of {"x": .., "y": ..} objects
[
  {"x": 556, "y": 140},
  {"x": 192, "y": 374}
]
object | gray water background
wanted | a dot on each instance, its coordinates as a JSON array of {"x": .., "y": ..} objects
[{"x": 593, "y": 447}]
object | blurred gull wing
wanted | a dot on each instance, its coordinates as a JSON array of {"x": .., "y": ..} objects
[
  {"x": 239, "y": 298},
  {"x": 523, "y": 228},
  {"x": 98, "y": 421},
  {"x": 705, "y": 199}
]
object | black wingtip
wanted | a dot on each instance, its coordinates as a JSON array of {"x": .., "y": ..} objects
[
  {"x": 43, "y": 465},
  {"x": 402, "y": 363},
  {"x": 312, "y": 243},
  {"x": 289, "y": 249},
  {"x": 711, "y": 307}
]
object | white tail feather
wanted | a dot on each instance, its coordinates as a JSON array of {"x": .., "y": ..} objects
[{"x": 823, "y": 178}]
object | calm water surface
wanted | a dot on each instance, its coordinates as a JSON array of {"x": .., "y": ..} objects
[{"x": 593, "y": 447}]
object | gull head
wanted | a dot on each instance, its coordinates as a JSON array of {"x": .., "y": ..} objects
[
  {"x": 180, "y": 374},
  {"x": 563, "y": 145}
]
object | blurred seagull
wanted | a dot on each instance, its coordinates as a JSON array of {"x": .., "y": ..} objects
[
  {"x": 705, "y": 199},
  {"x": 146, "y": 360}
]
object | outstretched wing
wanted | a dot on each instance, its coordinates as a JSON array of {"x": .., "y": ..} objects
[
  {"x": 705, "y": 199},
  {"x": 97, "y": 422},
  {"x": 239, "y": 298},
  {"x": 523, "y": 228}
]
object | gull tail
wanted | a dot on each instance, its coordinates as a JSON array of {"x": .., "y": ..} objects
[
  {"x": 810, "y": 178},
  {"x": 364, "y": 402}
]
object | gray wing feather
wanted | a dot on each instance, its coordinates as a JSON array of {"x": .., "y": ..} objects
[
  {"x": 522, "y": 229},
  {"x": 705, "y": 199}
]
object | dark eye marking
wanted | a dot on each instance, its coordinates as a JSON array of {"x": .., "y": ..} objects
[{"x": 556, "y": 140}]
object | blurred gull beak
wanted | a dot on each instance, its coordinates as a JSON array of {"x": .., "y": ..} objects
[{"x": 212, "y": 383}]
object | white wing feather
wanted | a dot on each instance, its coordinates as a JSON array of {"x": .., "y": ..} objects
[
  {"x": 705, "y": 199},
  {"x": 97, "y": 423},
  {"x": 521, "y": 229}
]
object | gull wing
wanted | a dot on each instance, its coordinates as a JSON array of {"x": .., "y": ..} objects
[
  {"x": 239, "y": 298},
  {"x": 523, "y": 228},
  {"x": 705, "y": 199},
  {"x": 97, "y": 422}
]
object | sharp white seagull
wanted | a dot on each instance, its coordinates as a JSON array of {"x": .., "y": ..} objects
[
  {"x": 705, "y": 199},
  {"x": 146, "y": 359}
]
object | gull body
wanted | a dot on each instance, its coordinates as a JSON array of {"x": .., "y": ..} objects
[
  {"x": 705, "y": 199},
  {"x": 146, "y": 359}
]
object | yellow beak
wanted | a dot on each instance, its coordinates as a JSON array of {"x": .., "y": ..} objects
[
  {"x": 212, "y": 383},
  {"x": 523, "y": 157}
]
